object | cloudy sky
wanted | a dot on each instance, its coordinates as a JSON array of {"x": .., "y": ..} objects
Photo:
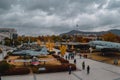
[{"x": 42, "y": 17}]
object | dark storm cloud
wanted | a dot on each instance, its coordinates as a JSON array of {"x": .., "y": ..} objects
[
  {"x": 114, "y": 4},
  {"x": 34, "y": 17},
  {"x": 5, "y": 4}
]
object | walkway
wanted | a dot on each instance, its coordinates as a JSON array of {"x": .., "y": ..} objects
[{"x": 98, "y": 71}]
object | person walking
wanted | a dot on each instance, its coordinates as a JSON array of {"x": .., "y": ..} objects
[
  {"x": 83, "y": 65},
  {"x": 70, "y": 68},
  {"x": 66, "y": 57},
  {"x": 74, "y": 61},
  {"x": 88, "y": 69}
]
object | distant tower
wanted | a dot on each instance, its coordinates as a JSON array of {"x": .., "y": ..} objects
[{"x": 77, "y": 28}]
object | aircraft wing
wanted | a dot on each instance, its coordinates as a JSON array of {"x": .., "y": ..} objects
[
  {"x": 106, "y": 48},
  {"x": 99, "y": 48}
]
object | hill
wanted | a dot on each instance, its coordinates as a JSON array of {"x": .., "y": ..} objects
[{"x": 74, "y": 32}]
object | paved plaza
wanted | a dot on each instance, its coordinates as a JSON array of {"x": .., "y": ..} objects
[{"x": 98, "y": 71}]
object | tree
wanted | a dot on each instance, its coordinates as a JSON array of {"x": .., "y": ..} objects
[
  {"x": 8, "y": 41},
  {"x": 79, "y": 38},
  {"x": 110, "y": 37},
  {"x": 63, "y": 49}
]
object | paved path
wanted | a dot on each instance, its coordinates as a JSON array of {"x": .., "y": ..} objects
[
  {"x": 98, "y": 71},
  {"x": 50, "y": 76}
]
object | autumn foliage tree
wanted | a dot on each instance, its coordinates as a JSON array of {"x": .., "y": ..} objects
[{"x": 111, "y": 37}]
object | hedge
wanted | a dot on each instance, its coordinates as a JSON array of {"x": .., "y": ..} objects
[
  {"x": 55, "y": 68},
  {"x": 62, "y": 60}
]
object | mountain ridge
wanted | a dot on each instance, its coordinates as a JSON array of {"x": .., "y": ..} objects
[{"x": 73, "y": 32}]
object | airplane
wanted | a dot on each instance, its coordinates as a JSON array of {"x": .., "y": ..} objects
[
  {"x": 43, "y": 51},
  {"x": 105, "y": 46}
]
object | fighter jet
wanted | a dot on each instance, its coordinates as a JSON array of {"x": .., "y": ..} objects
[{"x": 105, "y": 46}]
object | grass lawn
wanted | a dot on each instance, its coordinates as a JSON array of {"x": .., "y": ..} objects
[
  {"x": 109, "y": 58},
  {"x": 50, "y": 61}
]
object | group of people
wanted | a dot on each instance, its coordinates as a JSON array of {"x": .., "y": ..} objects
[
  {"x": 83, "y": 63},
  {"x": 68, "y": 57},
  {"x": 83, "y": 67},
  {"x": 84, "y": 56}
]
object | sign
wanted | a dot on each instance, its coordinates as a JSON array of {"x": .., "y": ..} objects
[
  {"x": 35, "y": 63},
  {"x": 42, "y": 69}
]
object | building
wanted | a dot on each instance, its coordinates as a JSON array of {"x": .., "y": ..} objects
[
  {"x": 82, "y": 47},
  {"x": 8, "y": 32}
]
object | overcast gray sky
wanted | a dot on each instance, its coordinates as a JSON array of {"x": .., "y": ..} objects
[{"x": 38, "y": 17}]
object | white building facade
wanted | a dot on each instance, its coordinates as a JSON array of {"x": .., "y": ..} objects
[{"x": 7, "y": 32}]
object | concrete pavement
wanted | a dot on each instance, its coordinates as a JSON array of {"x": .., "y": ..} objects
[{"x": 98, "y": 70}]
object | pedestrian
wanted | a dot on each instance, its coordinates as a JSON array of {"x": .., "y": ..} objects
[
  {"x": 70, "y": 68},
  {"x": 83, "y": 65},
  {"x": 88, "y": 69},
  {"x": 72, "y": 57},
  {"x": 74, "y": 61},
  {"x": 66, "y": 57}
]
